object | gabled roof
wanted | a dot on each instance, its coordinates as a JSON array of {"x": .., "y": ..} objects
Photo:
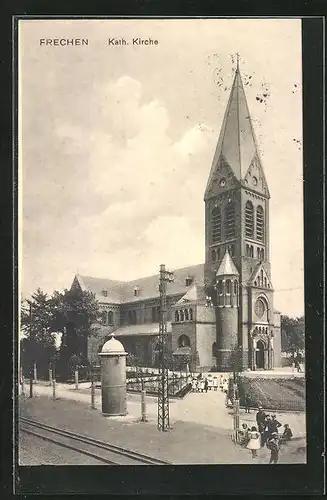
[
  {"x": 195, "y": 294},
  {"x": 227, "y": 266},
  {"x": 237, "y": 144},
  {"x": 255, "y": 278},
  {"x": 122, "y": 291},
  {"x": 97, "y": 285}
]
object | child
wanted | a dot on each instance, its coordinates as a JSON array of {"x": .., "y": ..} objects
[
  {"x": 273, "y": 446},
  {"x": 287, "y": 434},
  {"x": 254, "y": 442},
  {"x": 221, "y": 384},
  {"x": 244, "y": 435}
]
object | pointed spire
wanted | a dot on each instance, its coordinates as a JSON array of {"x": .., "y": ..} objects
[
  {"x": 227, "y": 266},
  {"x": 237, "y": 61},
  {"x": 237, "y": 144}
]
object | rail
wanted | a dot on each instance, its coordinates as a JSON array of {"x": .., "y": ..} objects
[{"x": 133, "y": 457}]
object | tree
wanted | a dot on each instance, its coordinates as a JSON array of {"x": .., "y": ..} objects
[
  {"x": 76, "y": 314},
  {"x": 38, "y": 344},
  {"x": 292, "y": 334}
]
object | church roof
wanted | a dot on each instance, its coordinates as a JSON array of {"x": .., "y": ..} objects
[
  {"x": 196, "y": 293},
  {"x": 98, "y": 285},
  {"x": 237, "y": 142},
  {"x": 118, "y": 292},
  {"x": 148, "y": 329},
  {"x": 227, "y": 266}
]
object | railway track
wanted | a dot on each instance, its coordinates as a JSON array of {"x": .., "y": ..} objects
[{"x": 103, "y": 452}]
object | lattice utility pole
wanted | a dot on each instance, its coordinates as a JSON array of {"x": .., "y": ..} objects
[{"x": 163, "y": 396}]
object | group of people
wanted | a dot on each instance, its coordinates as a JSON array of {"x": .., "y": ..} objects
[
  {"x": 265, "y": 433},
  {"x": 205, "y": 384}
]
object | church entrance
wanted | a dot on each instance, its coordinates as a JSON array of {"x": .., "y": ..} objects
[{"x": 260, "y": 358}]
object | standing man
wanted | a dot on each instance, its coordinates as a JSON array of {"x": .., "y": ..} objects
[
  {"x": 247, "y": 403},
  {"x": 274, "y": 424},
  {"x": 261, "y": 422},
  {"x": 206, "y": 384},
  {"x": 273, "y": 446}
]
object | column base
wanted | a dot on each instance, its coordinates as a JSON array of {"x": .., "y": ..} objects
[
  {"x": 114, "y": 414},
  {"x": 226, "y": 360}
]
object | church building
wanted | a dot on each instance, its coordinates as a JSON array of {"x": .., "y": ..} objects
[{"x": 221, "y": 313}]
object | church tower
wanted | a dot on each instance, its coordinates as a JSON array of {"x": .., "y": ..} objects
[{"x": 237, "y": 239}]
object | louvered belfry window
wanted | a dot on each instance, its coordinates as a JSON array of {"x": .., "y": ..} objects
[
  {"x": 260, "y": 224},
  {"x": 216, "y": 225},
  {"x": 249, "y": 220},
  {"x": 230, "y": 221}
]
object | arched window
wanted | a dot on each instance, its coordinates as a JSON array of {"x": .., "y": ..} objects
[
  {"x": 255, "y": 283},
  {"x": 258, "y": 253},
  {"x": 262, "y": 254},
  {"x": 218, "y": 253},
  {"x": 186, "y": 315},
  {"x": 251, "y": 251},
  {"x": 213, "y": 255},
  {"x": 190, "y": 314},
  {"x": 182, "y": 315},
  {"x": 228, "y": 286},
  {"x": 231, "y": 249},
  {"x": 110, "y": 318},
  {"x": 260, "y": 223},
  {"x": 216, "y": 225},
  {"x": 176, "y": 316},
  {"x": 247, "y": 251},
  {"x": 230, "y": 221},
  {"x": 184, "y": 341},
  {"x": 249, "y": 220},
  {"x": 103, "y": 318},
  {"x": 214, "y": 350},
  {"x": 265, "y": 282},
  {"x": 235, "y": 287},
  {"x": 134, "y": 317},
  {"x": 220, "y": 287}
]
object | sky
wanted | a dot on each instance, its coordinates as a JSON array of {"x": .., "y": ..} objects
[{"x": 116, "y": 145}]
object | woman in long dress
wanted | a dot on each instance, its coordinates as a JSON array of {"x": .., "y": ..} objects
[{"x": 254, "y": 443}]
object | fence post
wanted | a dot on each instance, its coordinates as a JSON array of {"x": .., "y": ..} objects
[
  {"x": 50, "y": 377},
  {"x": 76, "y": 379},
  {"x": 22, "y": 381},
  {"x": 92, "y": 392},
  {"x": 31, "y": 383},
  {"x": 143, "y": 406},
  {"x": 54, "y": 389},
  {"x": 34, "y": 373}
]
